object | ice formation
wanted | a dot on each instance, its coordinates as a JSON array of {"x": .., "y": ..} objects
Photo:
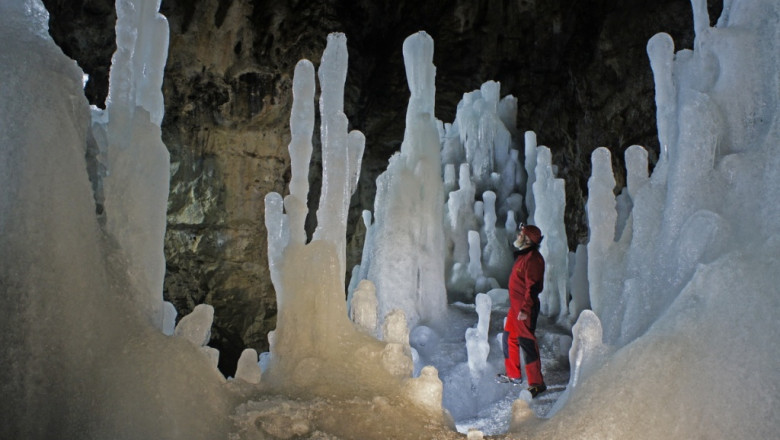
[
  {"x": 688, "y": 287},
  {"x": 130, "y": 164},
  {"x": 682, "y": 280},
  {"x": 363, "y": 307},
  {"x": 83, "y": 353},
  {"x": 477, "y": 345},
  {"x": 550, "y": 197},
  {"x": 248, "y": 368},
  {"x": 300, "y": 307},
  {"x": 196, "y": 327},
  {"x": 480, "y": 145},
  {"x": 406, "y": 253},
  {"x": 316, "y": 349}
]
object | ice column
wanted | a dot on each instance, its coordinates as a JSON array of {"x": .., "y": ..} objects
[
  {"x": 477, "y": 345},
  {"x": 660, "y": 49},
  {"x": 132, "y": 173},
  {"x": 530, "y": 169},
  {"x": 342, "y": 152},
  {"x": 407, "y": 256},
  {"x": 300, "y": 148},
  {"x": 496, "y": 255},
  {"x": 550, "y": 196},
  {"x": 579, "y": 283},
  {"x": 601, "y": 222}
]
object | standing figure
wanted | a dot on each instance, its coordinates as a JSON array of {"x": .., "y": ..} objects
[{"x": 525, "y": 284}]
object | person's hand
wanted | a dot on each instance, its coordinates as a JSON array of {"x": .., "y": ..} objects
[{"x": 522, "y": 316}]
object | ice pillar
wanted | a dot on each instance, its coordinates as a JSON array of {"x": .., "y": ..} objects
[
  {"x": 131, "y": 180},
  {"x": 407, "y": 263}
]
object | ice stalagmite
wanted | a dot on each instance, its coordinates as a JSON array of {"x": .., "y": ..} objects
[
  {"x": 342, "y": 151},
  {"x": 550, "y": 197},
  {"x": 407, "y": 255},
  {"x": 695, "y": 291},
  {"x": 578, "y": 282},
  {"x": 363, "y": 307},
  {"x": 477, "y": 345},
  {"x": 131, "y": 172},
  {"x": 660, "y": 50},
  {"x": 601, "y": 219},
  {"x": 530, "y": 169},
  {"x": 301, "y": 129},
  {"x": 496, "y": 254},
  {"x": 316, "y": 350},
  {"x": 459, "y": 220}
]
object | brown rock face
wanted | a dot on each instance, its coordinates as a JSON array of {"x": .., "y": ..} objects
[{"x": 579, "y": 70}]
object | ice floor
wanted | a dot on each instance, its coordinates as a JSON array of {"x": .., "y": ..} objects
[{"x": 486, "y": 405}]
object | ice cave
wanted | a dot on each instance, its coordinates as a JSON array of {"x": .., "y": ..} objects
[{"x": 662, "y": 325}]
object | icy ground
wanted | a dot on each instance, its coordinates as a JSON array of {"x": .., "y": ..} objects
[{"x": 492, "y": 402}]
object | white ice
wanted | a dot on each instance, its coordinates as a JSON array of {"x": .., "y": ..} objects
[
  {"x": 477, "y": 345},
  {"x": 248, "y": 369},
  {"x": 550, "y": 197},
  {"x": 407, "y": 249}
]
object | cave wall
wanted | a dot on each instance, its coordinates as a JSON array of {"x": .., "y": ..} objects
[{"x": 579, "y": 70}]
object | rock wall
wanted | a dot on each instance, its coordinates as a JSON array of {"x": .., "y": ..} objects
[{"x": 579, "y": 70}]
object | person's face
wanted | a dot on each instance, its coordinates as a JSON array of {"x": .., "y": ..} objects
[{"x": 521, "y": 239}]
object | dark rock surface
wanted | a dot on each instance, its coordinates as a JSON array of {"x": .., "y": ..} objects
[{"x": 578, "y": 68}]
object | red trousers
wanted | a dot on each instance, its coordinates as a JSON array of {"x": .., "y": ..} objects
[{"x": 517, "y": 335}]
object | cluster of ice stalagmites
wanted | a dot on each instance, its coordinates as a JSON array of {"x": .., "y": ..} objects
[
  {"x": 490, "y": 191},
  {"x": 692, "y": 208},
  {"x": 484, "y": 183},
  {"x": 315, "y": 346},
  {"x": 685, "y": 250}
]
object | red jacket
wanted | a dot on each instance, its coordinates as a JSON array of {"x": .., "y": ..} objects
[{"x": 526, "y": 281}]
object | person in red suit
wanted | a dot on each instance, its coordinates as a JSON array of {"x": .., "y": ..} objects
[{"x": 525, "y": 284}]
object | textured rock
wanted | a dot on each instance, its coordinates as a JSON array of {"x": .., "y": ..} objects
[{"x": 579, "y": 70}]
